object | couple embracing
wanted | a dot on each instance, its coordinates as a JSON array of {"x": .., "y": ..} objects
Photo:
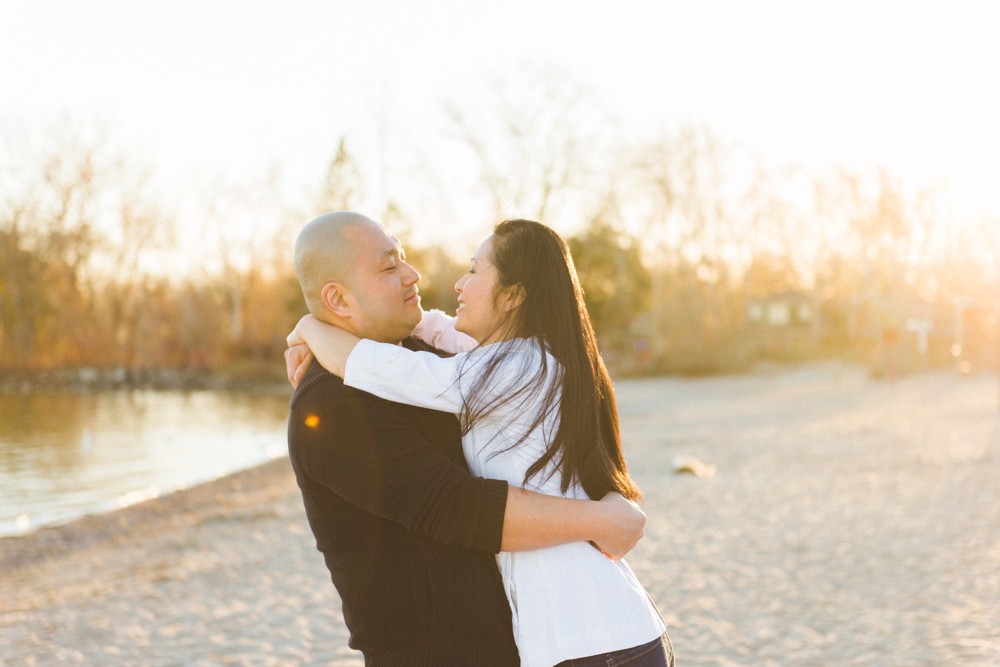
[{"x": 464, "y": 476}]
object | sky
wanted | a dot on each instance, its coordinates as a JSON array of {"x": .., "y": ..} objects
[{"x": 234, "y": 88}]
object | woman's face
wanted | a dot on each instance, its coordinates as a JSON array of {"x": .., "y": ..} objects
[{"x": 478, "y": 315}]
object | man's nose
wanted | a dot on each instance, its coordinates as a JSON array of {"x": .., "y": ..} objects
[{"x": 412, "y": 275}]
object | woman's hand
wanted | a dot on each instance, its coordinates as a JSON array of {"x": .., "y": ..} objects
[
  {"x": 311, "y": 337},
  {"x": 297, "y": 337},
  {"x": 624, "y": 526},
  {"x": 298, "y": 357}
]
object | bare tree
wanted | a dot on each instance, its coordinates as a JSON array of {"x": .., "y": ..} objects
[
  {"x": 142, "y": 228},
  {"x": 680, "y": 190},
  {"x": 49, "y": 229},
  {"x": 342, "y": 188},
  {"x": 535, "y": 143}
]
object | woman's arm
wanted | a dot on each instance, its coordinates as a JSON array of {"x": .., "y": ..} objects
[
  {"x": 329, "y": 344},
  {"x": 400, "y": 375},
  {"x": 388, "y": 371},
  {"x": 435, "y": 328},
  {"x": 438, "y": 329}
]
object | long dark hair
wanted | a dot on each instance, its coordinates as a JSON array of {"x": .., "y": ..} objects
[{"x": 533, "y": 261}]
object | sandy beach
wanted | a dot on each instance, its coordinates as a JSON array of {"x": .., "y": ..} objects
[{"x": 850, "y": 522}]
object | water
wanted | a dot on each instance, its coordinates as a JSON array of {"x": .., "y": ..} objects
[{"x": 65, "y": 455}]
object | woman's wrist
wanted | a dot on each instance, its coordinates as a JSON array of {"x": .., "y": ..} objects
[{"x": 307, "y": 328}]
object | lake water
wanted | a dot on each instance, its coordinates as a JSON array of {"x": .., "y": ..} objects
[{"x": 64, "y": 455}]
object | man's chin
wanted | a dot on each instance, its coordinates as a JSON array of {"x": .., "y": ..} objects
[{"x": 412, "y": 319}]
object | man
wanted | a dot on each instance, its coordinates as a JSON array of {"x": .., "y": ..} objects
[{"x": 407, "y": 533}]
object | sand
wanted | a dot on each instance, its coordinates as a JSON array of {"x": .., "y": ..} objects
[{"x": 850, "y": 522}]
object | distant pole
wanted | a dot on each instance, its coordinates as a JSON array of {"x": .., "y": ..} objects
[
  {"x": 996, "y": 351},
  {"x": 921, "y": 327},
  {"x": 961, "y": 303}
]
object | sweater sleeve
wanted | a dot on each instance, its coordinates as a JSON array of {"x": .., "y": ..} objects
[
  {"x": 438, "y": 329},
  {"x": 366, "y": 451}
]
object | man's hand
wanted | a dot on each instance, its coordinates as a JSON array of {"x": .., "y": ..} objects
[{"x": 625, "y": 525}]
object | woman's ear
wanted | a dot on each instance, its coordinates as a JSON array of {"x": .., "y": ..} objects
[
  {"x": 513, "y": 297},
  {"x": 334, "y": 296}
]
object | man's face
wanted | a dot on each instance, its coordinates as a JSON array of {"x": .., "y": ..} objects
[{"x": 383, "y": 291}]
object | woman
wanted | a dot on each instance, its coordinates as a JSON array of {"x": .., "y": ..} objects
[{"x": 537, "y": 409}]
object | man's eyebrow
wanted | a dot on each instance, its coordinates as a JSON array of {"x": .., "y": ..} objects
[{"x": 391, "y": 252}]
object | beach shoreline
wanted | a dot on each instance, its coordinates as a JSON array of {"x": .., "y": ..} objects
[
  {"x": 262, "y": 483},
  {"x": 213, "y": 574},
  {"x": 850, "y": 522}
]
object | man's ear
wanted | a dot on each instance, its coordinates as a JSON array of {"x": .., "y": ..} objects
[{"x": 334, "y": 296}]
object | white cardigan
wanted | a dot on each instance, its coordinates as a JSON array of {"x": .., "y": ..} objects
[{"x": 568, "y": 601}]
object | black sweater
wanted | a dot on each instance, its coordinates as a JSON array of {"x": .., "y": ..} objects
[{"x": 407, "y": 533}]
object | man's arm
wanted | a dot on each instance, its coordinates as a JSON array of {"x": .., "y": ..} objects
[
  {"x": 534, "y": 521},
  {"x": 364, "y": 450},
  {"x": 368, "y": 452}
]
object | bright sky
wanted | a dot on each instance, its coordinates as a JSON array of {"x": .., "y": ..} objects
[{"x": 232, "y": 87}]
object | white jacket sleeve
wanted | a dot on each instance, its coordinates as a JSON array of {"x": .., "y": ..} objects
[
  {"x": 396, "y": 374},
  {"x": 438, "y": 329},
  {"x": 426, "y": 380}
]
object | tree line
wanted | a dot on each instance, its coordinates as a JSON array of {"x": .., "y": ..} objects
[{"x": 693, "y": 258}]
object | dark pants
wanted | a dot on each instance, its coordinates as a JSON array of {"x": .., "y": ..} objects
[{"x": 657, "y": 653}]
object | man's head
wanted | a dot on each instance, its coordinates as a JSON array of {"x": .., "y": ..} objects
[{"x": 353, "y": 275}]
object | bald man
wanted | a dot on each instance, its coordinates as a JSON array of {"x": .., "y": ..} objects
[{"x": 407, "y": 532}]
